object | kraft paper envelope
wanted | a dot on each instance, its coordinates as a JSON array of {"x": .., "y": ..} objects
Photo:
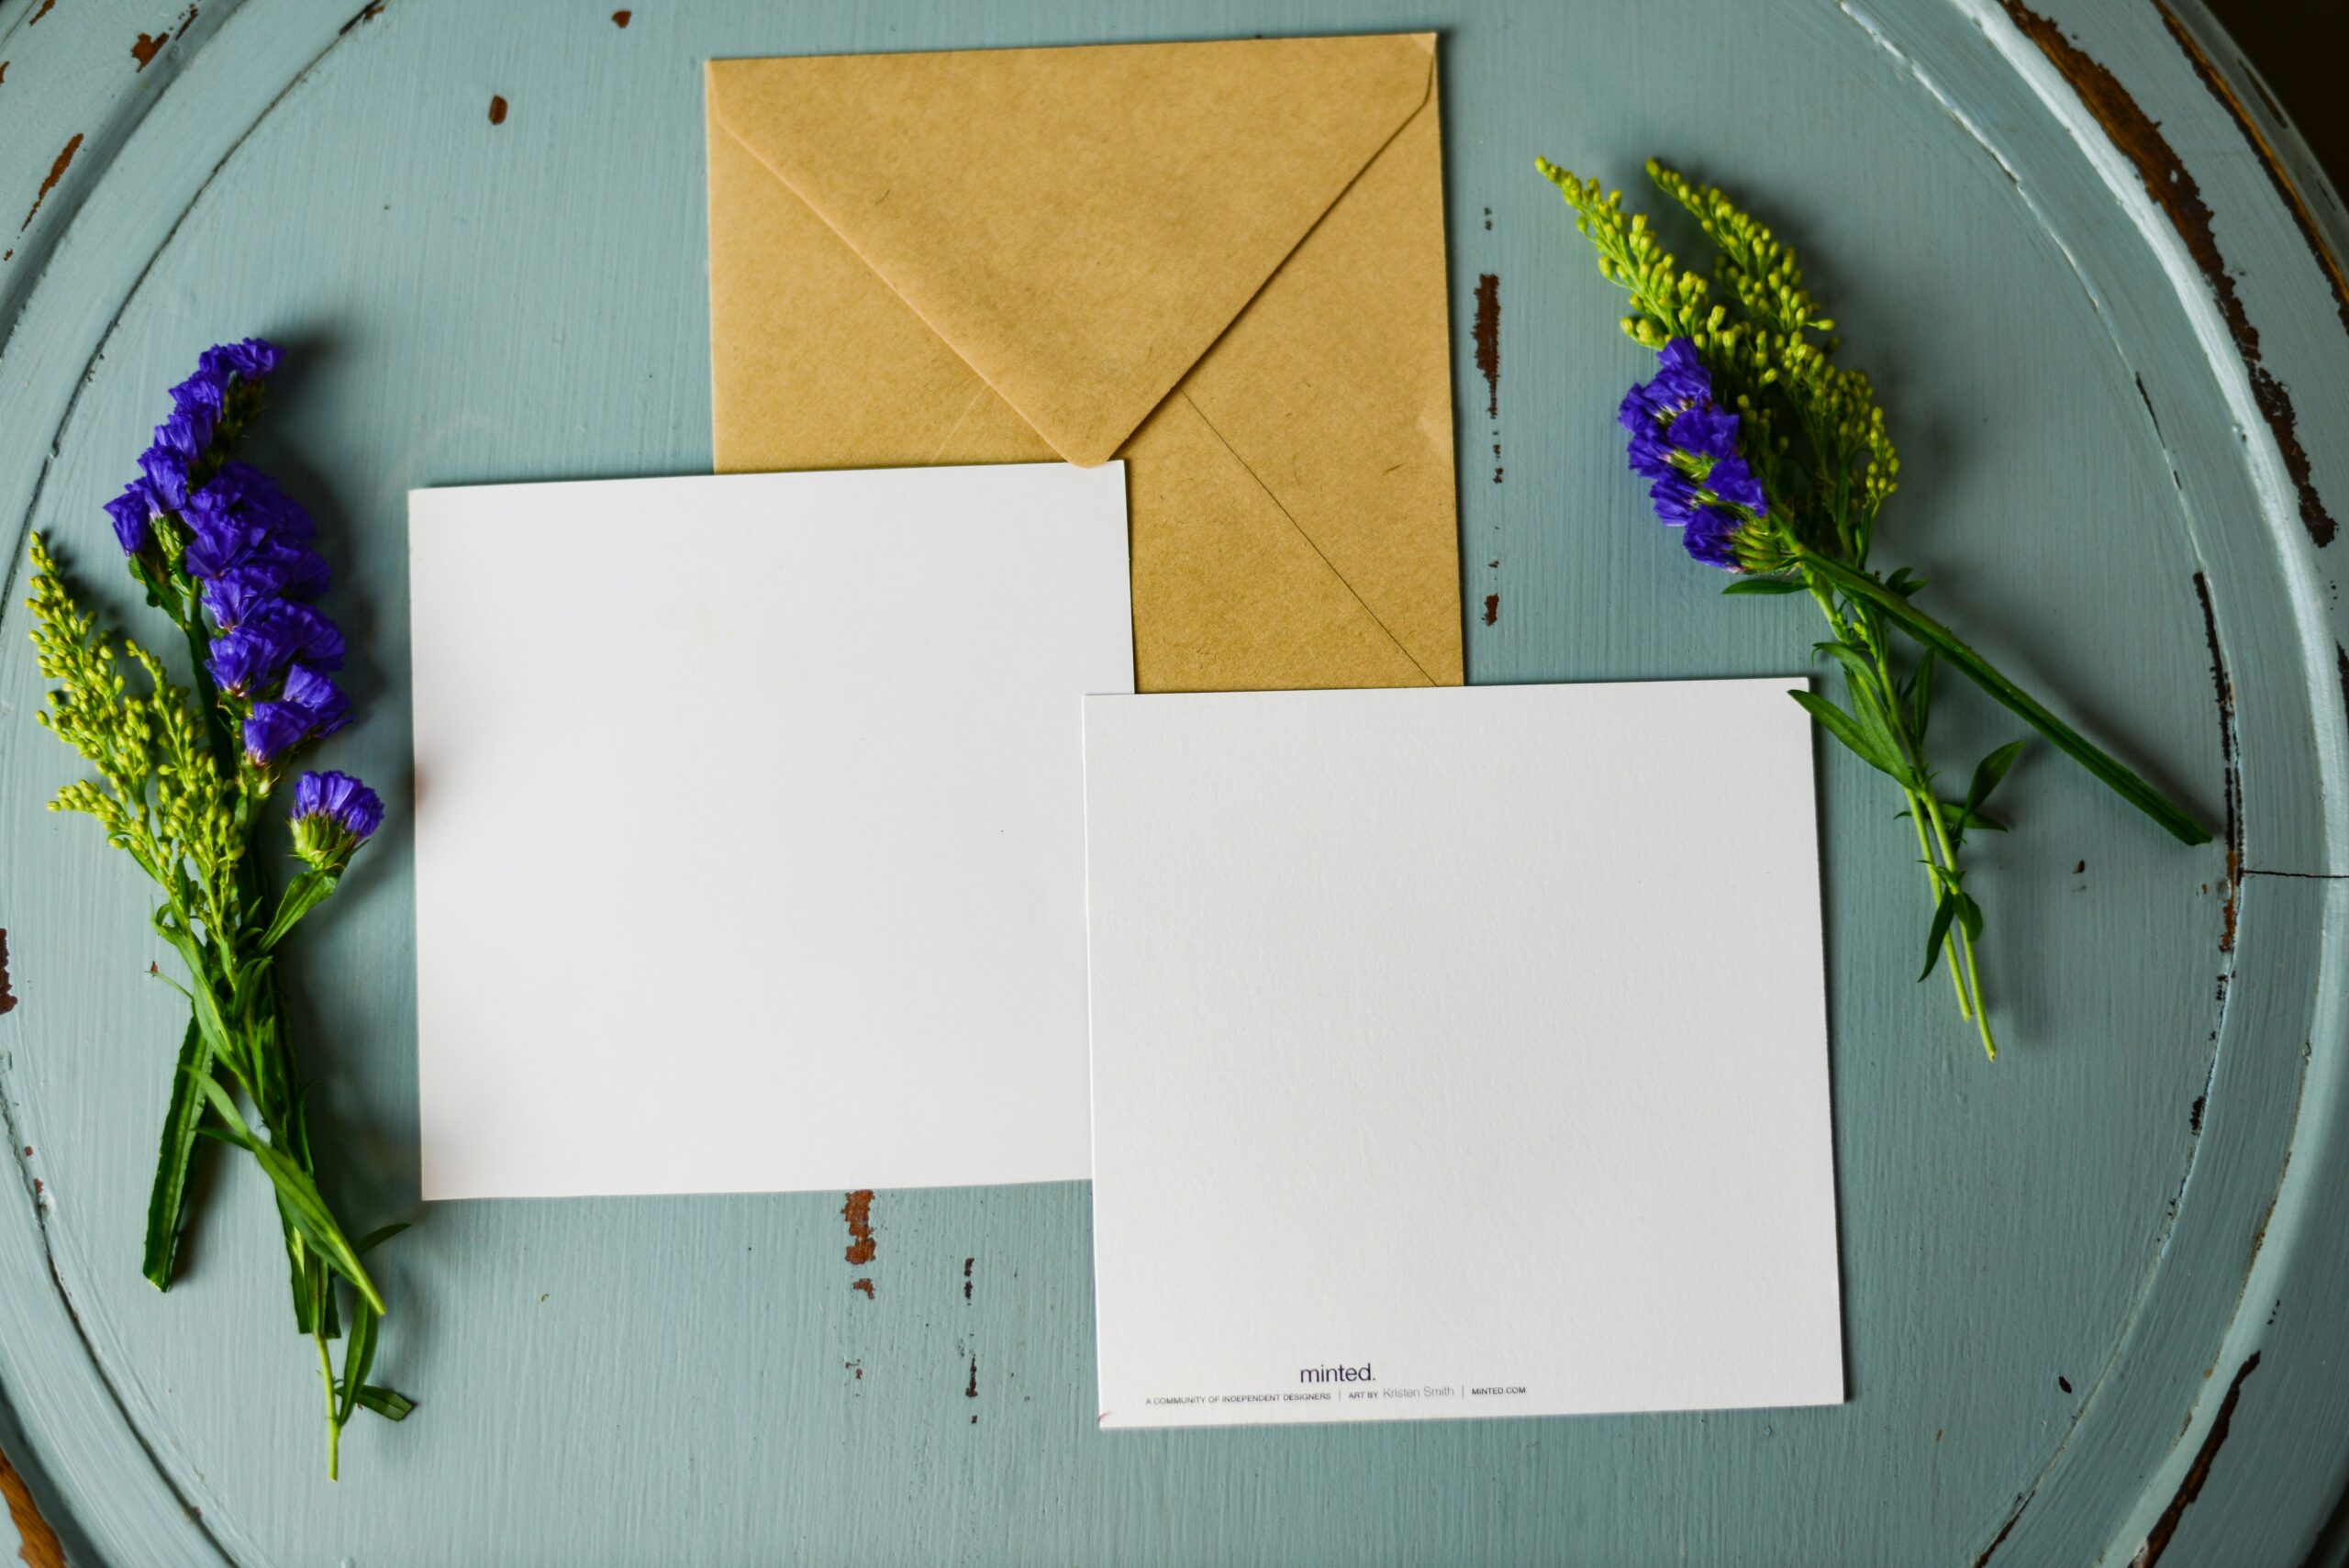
[{"x": 1221, "y": 261}]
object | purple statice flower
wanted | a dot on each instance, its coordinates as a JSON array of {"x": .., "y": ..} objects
[
  {"x": 231, "y": 595},
  {"x": 1685, "y": 444},
  {"x": 275, "y": 637},
  {"x": 341, "y": 799},
  {"x": 315, "y": 694},
  {"x": 274, "y": 729},
  {"x": 247, "y": 662},
  {"x": 333, "y": 815},
  {"x": 254, "y": 359},
  {"x": 1711, "y": 538},
  {"x": 244, "y": 491},
  {"x": 184, "y": 440},
  {"x": 310, "y": 708},
  {"x": 134, "y": 513}
]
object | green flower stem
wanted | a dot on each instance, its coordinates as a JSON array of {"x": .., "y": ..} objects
[
  {"x": 1925, "y": 806},
  {"x": 1864, "y": 586},
  {"x": 334, "y": 1412},
  {"x": 1959, "y": 969},
  {"x": 1965, "y": 938}
]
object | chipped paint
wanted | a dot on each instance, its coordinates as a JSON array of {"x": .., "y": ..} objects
[
  {"x": 496, "y": 109},
  {"x": 7, "y": 995},
  {"x": 45, "y": 7},
  {"x": 858, "y": 1212},
  {"x": 966, "y": 1277},
  {"x": 2285, "y": 186},
  {"x": 149, "y": 46},
  {"x": 2165, "y": 1529},
  {"x": 37, "y": 1545},
  {"x": 56, "y": 172},
  {"x": 2173, "y": 190},
  {"x": 1488, "y": 355},
  {"x": 1488, "y": 340},
  {"x": 620, "y": 18},
  {"x": 1492, "y": 609},
  {"x": 863, "y": 1287}
]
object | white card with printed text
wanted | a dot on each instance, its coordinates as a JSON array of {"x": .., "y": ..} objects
[
  {"x": 748, "y": 827},
  {"x": 1458, "y": 1052}
]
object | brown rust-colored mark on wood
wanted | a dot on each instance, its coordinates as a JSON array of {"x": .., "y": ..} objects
[
  {"x": 966, "y": 1277},
  {"x": 149, "y": 46},
  {"x": 2286, "y": 186},
  {"x": 2225, "y": 688},
  {"x": 56, "y": 172},
  {"x": 496, "y": 109},
  {"x": 621, "y": 18},
  {"x": 858, "y": 1212},
  {"x": 45, "y": 7},
  {"x": 2340, "y": 657},
  {"x": 2173, "y": 191},
  {"x": 864, "y": 1285},
  {"x": 1492, "y": 609},
  {"x": 7, "y": 996},
  {"x": 1488, "y": 340},
  {"x": 37, "y": 1543},
  {"x": 2165, "y": 1529}
]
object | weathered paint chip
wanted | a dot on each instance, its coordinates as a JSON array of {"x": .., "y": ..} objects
[
  {"x": 56, "y": 172},
  {"x": 858, "y": 1212}
]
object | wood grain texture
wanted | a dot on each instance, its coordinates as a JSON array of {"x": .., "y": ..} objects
[{"x": 2057, "y": 1270}]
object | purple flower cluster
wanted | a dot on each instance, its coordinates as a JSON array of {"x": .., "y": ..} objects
[
  {"x": 333, "y": 815},
  {"x": 1686, "y": 445},
  {"x": 244, "y": 547}
]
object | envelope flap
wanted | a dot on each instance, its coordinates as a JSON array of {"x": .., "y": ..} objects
[{"x": 1078, "y": 224}]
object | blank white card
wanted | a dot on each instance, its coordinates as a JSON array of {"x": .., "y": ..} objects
[
  {"x": 748, "y": 827},
  {"x": 1458, "y": 1052}
]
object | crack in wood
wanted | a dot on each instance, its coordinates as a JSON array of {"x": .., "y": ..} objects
[{"x": 2230, "y": 767}]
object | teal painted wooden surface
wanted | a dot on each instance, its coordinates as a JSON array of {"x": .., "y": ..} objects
[{"x": 2058, "y": 1271}]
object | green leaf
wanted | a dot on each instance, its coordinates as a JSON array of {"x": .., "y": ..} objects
[
  {"x": 1765, "y": 585},
  {"x": 1920, "y": 696},
  {"x": 305, "y": 1207},
  {"x": 385, "y": 1402},
  {"x": 167, "y": 1198},
  {"x": 1969, "y": 915},
  {"x": 358, "y": 1357},
  {"x": 2174, "y": 818},
  {"x": 1990, "y": 770},
  {"x": 302, "y": 894},
  {"x": 1842, "y": 725},
  {"x": 1944, "y": 911},
  {"x": 376, "y": 1237}
]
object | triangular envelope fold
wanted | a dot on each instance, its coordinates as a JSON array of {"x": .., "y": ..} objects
[{"x": 1079, "y": 225}]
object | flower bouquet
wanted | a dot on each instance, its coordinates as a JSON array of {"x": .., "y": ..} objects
[
  {"x": 1772, "y": 462},
  {"x": 185, "y": 774}
]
